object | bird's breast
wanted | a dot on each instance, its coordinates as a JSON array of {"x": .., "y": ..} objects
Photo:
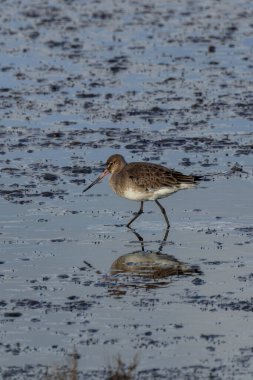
[{"x": 117, "y": 184}]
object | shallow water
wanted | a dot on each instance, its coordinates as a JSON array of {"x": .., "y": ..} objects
[{"x": 170, "y": 83}]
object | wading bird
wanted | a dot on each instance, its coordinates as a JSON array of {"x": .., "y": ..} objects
[{"x": 143, "y": 181}]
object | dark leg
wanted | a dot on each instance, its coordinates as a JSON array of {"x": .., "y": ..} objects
[
  {"x": 139, "y": 237},
  {"x": 137, "y": 215},
  {"x": 164, "y": 240},
  {"x": 164, "y": 213}
]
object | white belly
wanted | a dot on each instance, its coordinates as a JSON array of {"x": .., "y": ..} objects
[
  {"x": 136, "y": 195},
  {"x": 152, "y": 195}
]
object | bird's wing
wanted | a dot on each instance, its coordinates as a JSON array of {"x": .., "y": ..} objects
[{"x": 151, "y": 176}]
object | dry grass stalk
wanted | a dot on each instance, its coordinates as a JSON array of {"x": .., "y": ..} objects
[
  {"x": 119, "y": 371},
  {"x": 65, "y": 373},
  {"x": 122, "y": 372}
]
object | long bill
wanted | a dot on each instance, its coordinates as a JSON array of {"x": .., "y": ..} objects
[{"x": 105, "y": 172}]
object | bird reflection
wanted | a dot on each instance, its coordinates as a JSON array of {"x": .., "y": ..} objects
[{"x": 146, "y": 268}]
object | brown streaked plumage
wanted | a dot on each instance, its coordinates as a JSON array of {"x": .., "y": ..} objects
[{"x": 143, "y": 181}]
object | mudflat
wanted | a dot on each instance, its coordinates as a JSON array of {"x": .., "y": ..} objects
[{"x": 169, "y": 83}]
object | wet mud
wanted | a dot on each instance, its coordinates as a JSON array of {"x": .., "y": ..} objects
[{"x": 169, "y": 82}]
